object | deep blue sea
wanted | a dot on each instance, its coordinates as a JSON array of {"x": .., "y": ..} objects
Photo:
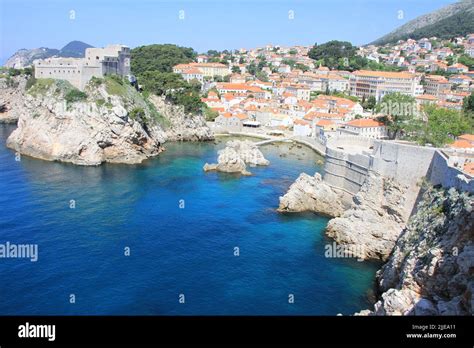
[{"x": 181, "y": 225}]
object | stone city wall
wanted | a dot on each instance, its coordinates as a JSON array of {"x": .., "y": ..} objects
[{"x": 347, "y": 170}]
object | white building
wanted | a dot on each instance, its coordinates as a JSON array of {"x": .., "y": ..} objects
[
  {"x": 379, "y": 83},
  {"x": 98, "y": 62},
  {"x": 367, "y": 128},
  {"x": 302, "y": 128}
]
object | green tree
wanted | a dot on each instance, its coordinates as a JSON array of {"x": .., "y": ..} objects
[
  {"x": 442, "y": 126},
  {"x": 468, "y": 103},
  {"x": 467, "y": 61},
  {"x": 14, "y": 72},
  {"x": 290, "y": 62},
  {"x": 209, "y": 114},
  {"x": 213, "y": 53},
  {"x": 159, "y": 58},
  {"x": 371, "y": 102},
  {"x": 75, "y": 95},
  {"x": 260, "y": 75},
  {"x": 301, "y": 67},
  {"x": 252, "y": 68},
  {"x": 161, "y": 83},
  {"x": 399, "y": 110},
  {"x": 236, "y": 69},
  {"x": 261, "y": 64},
  {"x": 337, "y": 55}
]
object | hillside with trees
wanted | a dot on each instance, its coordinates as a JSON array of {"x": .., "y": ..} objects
[
  {"x": 450, "y": 21},
  {"x": 430, "y": 125},
  {"x": 342, "y": 55},
  {"x": 153, "y": 67}
]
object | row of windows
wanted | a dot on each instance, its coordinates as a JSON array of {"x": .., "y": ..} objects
[{"x": 64, "y": 71}]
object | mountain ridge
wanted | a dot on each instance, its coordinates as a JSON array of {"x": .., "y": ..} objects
[
  {"x": 25, "y": 57},
  {"x": 455, "y": 19}
]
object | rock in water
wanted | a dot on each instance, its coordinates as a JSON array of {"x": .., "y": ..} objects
[
  {"x": 235, "y": 157},
  {"x": 311, "y": 193}
]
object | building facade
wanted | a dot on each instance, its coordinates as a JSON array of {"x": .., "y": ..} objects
[
  {"x": 367, "y": 128},
  {"x": 98, "y": 62},
  {"x": 206, "y": 69},
  {"x": 380, "y": 83}
]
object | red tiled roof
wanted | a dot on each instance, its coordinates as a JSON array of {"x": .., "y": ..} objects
[{"x": 365, "y": 122}]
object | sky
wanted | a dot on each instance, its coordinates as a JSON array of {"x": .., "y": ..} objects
[{"x": 201, "y": 24}]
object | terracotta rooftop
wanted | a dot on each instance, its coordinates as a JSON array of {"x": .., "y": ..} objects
[
  {"x": 365, "y": 122},
  {"x": 386, "y": 74}
]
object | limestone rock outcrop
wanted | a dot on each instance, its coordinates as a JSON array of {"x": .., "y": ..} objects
[
  {"x": 235, "y": 157},
  {"x": 12, "y": 93},
  {"x": 112, "y": 122},
  {"x": 311, "y": 193},
  {"x": 181, "y": 126},
  {"x": 83, "y": 132},
  {"x": 375, "y": 220},
  {"x": 430, "y": 269}
]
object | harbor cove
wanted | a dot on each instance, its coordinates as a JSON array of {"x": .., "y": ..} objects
[
  {"x": 142, "y": 239},
  {"x": 226, "y": 159}
]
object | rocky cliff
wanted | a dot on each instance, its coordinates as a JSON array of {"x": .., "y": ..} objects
[
  {"x": 370, "y": 221},
  {"x": 430, "y": 271},
  {"x": 375, "y": 219},
  {"x": 109, "y": 122},
  {"x": 12, "y": 93},
  {"x": 179, "y": 125}
]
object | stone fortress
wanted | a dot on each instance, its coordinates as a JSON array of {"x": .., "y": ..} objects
[
  {"x": 98, "y": 62},
  {"x": 350, "y": 159}
]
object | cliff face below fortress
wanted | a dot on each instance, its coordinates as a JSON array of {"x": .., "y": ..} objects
[
  {"x": 374, "y": 220},
  {"x": 111, "y": 123},
  {"x": 406, "y": 205},
  {"x": 430, "y": 271}
]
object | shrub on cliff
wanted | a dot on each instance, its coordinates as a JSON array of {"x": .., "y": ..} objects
[
  {"x": 75, "y": 95},
  {"x": 136, "y": 113},
  {"x": 40, "y": 86},
  {"x": 209, "y": 114}
]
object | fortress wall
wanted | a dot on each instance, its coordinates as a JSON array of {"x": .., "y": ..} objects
[
  {"x": 348, "y": 141},
  {"x": 406, "y": 164},
  {"x": 88, "y": 72},
  {"x": 442, "y": 173},
  {"x": 345, "y": 171}
]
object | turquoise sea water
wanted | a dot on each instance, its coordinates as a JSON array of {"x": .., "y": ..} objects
[{"x": 181, "y": 225}]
